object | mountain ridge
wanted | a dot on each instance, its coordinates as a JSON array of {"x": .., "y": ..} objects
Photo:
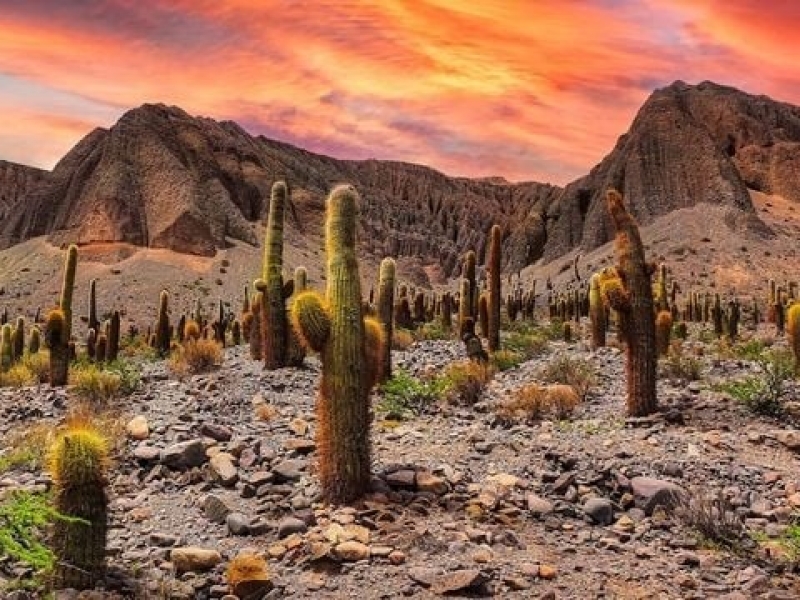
[{"x": 160, "y": 178}]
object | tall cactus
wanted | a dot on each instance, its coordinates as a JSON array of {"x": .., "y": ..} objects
[
  {"x": 77, "y": 464},
  {"x": 18, "y": 339},
  {"x": 633, "y": 301},
  {"x": 494, "y": 263},
  {"x": 274, "y": 326},
  {"x": 113, "y": 337},
  {"x": 94, "y": 323},
  {"x": 6, "y": 348},
  {"x": 793, "y": 332},
  {"x": 350, "y": 348},
  {"x": 386, "y": 285},
  {"x": 68, "y": 287},
  {"x": 162, "y": 325}
]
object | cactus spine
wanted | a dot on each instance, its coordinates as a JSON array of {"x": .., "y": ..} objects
[
  {"x": 350, "y": 349},
  {"x": 494, "y": 263},
  {"x": 633, "y": 302},
  {"x": 386, "y": 285},
  {"x": 77, "y": 464}
]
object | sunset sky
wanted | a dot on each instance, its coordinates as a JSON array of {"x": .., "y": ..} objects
[{"x": 528, "y": 89}]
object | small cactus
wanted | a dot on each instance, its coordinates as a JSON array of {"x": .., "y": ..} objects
[
  {"x": 56, "y": 338},
  {"x": 93, "y": 322},
  {"x": 113, "y": 337},
  {"x": 77, "y": 462},
  {"x": 597, "y": 312},
  {"x": 18, "y": 339},
  {"x": 34, "y": 340},
  {"x": 68, "y": 287},
  {"x": 663, "y": 331}
]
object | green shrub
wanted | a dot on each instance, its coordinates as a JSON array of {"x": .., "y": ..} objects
[
  {"x": 503, "y": 360},
  {"x": 764, "y": 394},
  {"x": 528, "y": 345},
  {"x": 404, "y": 395},
  {"x": 678, "y": 365}
]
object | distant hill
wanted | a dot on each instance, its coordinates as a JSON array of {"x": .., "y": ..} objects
[{"x": 163, "y": 179}]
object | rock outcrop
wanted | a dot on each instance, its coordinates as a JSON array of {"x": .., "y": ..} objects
[
  {"x": 161, "y": 178},
  {"x": 16, "y": 182}
]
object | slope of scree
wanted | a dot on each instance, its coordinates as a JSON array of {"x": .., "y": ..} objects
[{"x": 163, "y": 179}]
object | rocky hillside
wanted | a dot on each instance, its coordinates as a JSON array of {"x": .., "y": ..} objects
[
  {"x": 163, "y": 179},
  {"x": 16, "y": 181}
]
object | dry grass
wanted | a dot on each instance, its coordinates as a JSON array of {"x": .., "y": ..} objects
[
  {"x": 532, "y": 402},
  {"x": 402, "y": 339},
  {"x": 265, "y": 412},
  {"x": 18, "y": 376},
  {"x": 575, "y": 372},
  {"x": 713, "y": 517},
  {"x": 196, "y": 356},
  {"x": 26, "y": 446},
  {"x": 39, "y": 365},
  {"x": 93, "y": 384},
  {"x": 466, "y": 381}
]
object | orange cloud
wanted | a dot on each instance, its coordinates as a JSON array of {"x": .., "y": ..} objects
[{"x": 529, "y": 90}]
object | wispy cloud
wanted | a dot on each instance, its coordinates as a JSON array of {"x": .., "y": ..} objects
[{"x": 528, "y": 90}]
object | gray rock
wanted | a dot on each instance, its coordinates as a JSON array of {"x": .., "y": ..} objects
[
  {"x": 290, "y": 525},
  {"x": 649, "y": 492},
  {"x": 238, "y": 524},
  {"x": 184, "y": 455},
  {"x": 215, "y": 509},
  {"x": 599, "y": 510}
]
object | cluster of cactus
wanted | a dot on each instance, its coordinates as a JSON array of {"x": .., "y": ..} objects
[
  {"x": 570, "y": 304},
  {"x": 77, "y": 462},
  {"x": 351, "y": 351},
  {"x": 521, "y": 303}
]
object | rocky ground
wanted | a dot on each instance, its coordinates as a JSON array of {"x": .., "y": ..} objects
[{"x": 464, "y": 503}]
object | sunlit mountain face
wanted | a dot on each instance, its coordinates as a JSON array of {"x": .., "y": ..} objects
[{"x": 521, "y": 89}]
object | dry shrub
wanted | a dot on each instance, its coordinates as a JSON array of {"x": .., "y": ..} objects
[
  {"x": 18, "y": 376},
  {"x": 39, "y": 365},
  {"x": 196, "y": 356},
  {"x": 402, "y": 339},
  {"x": 465, "y": 381},
  {"x": 575, "y": 372},
  {"x": 93, "y": 384},
  {"x": 532, "y": 402},
  {"x": 25, "y": 447},
  {"x": 246, "y": 567},
  {"x": 265, "y": 412},
  {"x": 713, "y": 516}
]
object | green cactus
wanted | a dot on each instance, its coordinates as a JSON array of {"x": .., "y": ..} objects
[
  {"x": 93, "y": 321},
  {"x": 68, "y": 287},
  {"x": 274, "y": 326},
  {"x": 483, "y": 315},
  {"x": 494, "y": 263},
  {"x": 793, "y": 332},
  {"x": 77, "y": 461},
  {"x": 717, "y": 316},
  {"x": 18, "y": 339},
  {"x": 597, "y": 312},
  {"x": 350, "y": 348},
  {"x": 464, "y": 307},
  {"x": 34, "y": 340},
  {"x": 6, "y": 348},
  {"x": 101, "y": 349},
  {"x": 255, "y": 339},
  {"x": 162, "y": 325},
  {"x": 57, "y": 341},
  {"x": 386, "y": 285},
  {"x": 632, "y": 299}
]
